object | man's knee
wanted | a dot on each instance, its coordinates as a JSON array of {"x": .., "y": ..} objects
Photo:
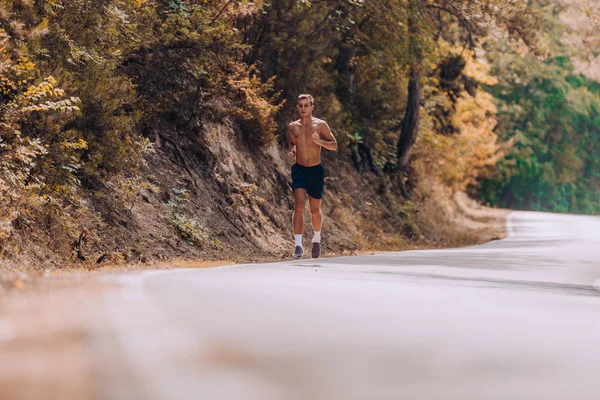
[
  {"x": 315, "y": 211},
  {"x": 300, "y": 204}
]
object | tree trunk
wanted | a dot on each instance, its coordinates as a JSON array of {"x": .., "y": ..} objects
[
  {"x": 410, "y": 124},
  {"x": 374, "y": 167},
  {"x": 356, "y": 159}
]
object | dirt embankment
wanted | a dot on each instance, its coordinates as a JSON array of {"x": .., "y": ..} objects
[{"x": 234, "y": 202}]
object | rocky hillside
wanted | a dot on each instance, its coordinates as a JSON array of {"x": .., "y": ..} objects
[
  {"x": 137, "y": 131},
  {"x": 237, "y": 204}
]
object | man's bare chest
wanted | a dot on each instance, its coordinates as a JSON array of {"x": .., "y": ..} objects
[{"x": 305, "y": 134}]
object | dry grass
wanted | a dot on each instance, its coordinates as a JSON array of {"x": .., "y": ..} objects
[{"x": 454, "y": 220}]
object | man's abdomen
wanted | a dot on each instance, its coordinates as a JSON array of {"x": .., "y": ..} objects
[{"x": 308, "y": 157}]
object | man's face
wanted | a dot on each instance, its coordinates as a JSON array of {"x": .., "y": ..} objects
[{"x": 304, "y": 107}]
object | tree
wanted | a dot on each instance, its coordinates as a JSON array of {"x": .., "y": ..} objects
[
  {"x": 551, "y": 112},
  {"x": 473, "y": 19},
  {"x": 38, "y": 165}
]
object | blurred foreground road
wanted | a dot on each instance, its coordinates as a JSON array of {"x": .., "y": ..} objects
[{"x": 513, "y": 319}]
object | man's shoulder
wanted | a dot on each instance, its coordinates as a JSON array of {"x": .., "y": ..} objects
[
  {"x": 294, "y": 126},
  {"x": 320, "y": 122}
]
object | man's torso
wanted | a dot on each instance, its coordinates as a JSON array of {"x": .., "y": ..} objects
[{"x": 308, "y": 153}]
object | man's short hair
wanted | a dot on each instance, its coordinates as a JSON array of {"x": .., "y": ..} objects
[{"x": 306, "y": 96}]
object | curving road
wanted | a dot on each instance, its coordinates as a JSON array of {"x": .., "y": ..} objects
[{"x": 517, "y": 318}]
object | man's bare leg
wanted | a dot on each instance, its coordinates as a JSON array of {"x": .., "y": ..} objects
[
  {"x": 315, "y": 213},
  {"x": 317, "y": 221},
  {"x": 298, "y": 219}
]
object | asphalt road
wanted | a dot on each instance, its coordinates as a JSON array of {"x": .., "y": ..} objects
[{"x": 517, "y": 318}]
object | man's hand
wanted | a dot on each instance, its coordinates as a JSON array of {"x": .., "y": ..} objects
[
  {"x": 292, "y": 155},
  {"x": 317, "y": 138}
]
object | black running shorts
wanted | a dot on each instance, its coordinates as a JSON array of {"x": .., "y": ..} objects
[{"x": 312, "y": 179}]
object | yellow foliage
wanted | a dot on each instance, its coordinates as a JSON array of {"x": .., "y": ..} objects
[
  {"x": 479, "y": 69},
  {"x": 78, "y": 145},
  {"x": 459, "y": 160},
  {"x": 24, "y": 192},
  {"x": 256, "y": 111},
  {"x": 138, "y": 3},
  {"x": 476, "y": 147}
]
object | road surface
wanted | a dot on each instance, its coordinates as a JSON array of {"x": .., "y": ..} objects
[{"x": 517, "y": 318}]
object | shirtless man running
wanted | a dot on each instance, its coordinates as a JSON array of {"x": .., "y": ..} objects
[{"x": 307, "y": 136}]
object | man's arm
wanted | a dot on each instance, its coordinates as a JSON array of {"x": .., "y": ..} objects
[
  {"x": 292, "y": 140},
  {"x": 329, "y": 141}
]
